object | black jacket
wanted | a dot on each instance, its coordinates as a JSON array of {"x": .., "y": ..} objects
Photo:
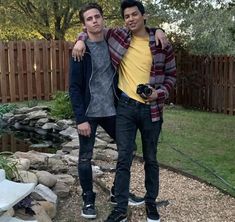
[{"x": 79, "y": 90}]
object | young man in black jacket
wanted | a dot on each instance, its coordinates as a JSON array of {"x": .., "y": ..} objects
[{"x": 92, "y": 93}]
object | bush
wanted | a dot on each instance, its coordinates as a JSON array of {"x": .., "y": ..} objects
[
  {"x": 8, "y": 164},
  {"x": 6, "y": 108},
  {"x": 32, "y": 103},
  {"x": 61, "y": 107}
]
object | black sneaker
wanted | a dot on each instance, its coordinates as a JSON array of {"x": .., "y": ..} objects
[
  {"x": 152, "y": 214},
  {"x": 88, "y": 210},
  {"x": 133, "y": 199},
  {"x": 116, "y": 216}
]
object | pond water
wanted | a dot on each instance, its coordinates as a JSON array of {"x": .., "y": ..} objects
[{"x": 24, "y": 141}]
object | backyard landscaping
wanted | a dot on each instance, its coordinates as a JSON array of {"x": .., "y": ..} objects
[{"x": 199, "y": 143}]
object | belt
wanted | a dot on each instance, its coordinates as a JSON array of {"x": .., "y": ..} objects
[{"x": 131, "y": 101}]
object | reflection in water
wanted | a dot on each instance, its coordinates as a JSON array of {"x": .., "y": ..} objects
[{"x": 24, "y": 141}]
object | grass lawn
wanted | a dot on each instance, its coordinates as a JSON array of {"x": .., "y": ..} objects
[{"x": 199, "y": 143}]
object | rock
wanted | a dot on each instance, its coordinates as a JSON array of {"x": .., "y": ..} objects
[
  {"x": 15, "y": 118},
  {"x": 107, "y": 167},
  {"x": 60, "y": 152},
  {"x": 71, "y": 160},
  {"x": 57, "y": 166},
  {"x": 41, "y": 214},
  {"x": 69, "y": 146},
  {"x": 10, "y": 212},
  {"x": 112, "y": 146},
  {"x": 48, "y": 126},
  {"x": 32, "y": 122},
  {"x": 75, "y": 152},
  {"x": 42, "y": 192},
  {"x": 37, "y": 114},
  {"x": 104, "y": 136},
  {"x": 65, "y": 178},
  {"x": 65, "y": 122},
  {"x": 96, "y": 171},
  {"x": 25, "y": 110},
  {"x": 105, "y": 155},
  {"x": 49, "y": 208},
  {"x": 38, "y": 160},
  {"x": 27, "y": 177},
  {"x": 41, "y": 122},
  {"x": 69, "y": 132},
  {"x": 23, "y": 164},
  {"x": 62, "y": 124},
  {"x": 3, "y": 124},
  {"x": 40, "y": 131},
  {"x": 73, "y": 170},
  {"x": 46, "y": 178},
  {"x": 17, "y": 126},
  {"x": 100, "y": 143},
  {"x": 7, "y": 116},
  {"x": 40, "y": 145},
  {"x": 25, "y": 121},
  {"x": 22, "y": 214},
  {"x": 61, "y": 189}
]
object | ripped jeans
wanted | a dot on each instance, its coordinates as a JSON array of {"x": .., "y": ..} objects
[{"x": 86, "y": 149}]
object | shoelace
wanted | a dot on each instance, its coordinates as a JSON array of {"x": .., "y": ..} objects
[{"x": 88, "y": 206}]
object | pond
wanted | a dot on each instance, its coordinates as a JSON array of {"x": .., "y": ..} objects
[{"x": 24, "y": 141}]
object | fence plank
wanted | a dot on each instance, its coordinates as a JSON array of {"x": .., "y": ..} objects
[
  {"x": 37, "y": 69},
  {"x": 225, "y": 84},
  {"x": 20, "y": 70},
  {"x": 46, "y": 74},
  {"x": 53, "y": 67},
  {"x": 12, "y": 79},
  {"x": 3, "y": 80},
  {"x": 61, "y": 67},
  {"x": 29, "y": 68},
  {"x": 67, "y": 56}
]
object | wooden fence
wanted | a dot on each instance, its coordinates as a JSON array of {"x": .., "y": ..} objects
[
  {"x": 36, "y": 69},
  {"x": 206, "y": 82},
  {"x": 33, "y": 69}
]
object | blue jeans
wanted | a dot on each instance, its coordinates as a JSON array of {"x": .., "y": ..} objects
[
  {"x": 131, "y": 116},
  {"x": 86, "y": 149}
]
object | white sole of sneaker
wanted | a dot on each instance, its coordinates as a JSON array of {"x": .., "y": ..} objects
[
  {"x": 151, "y": 220},
  {"x": 131, "y": 203},
  {"x": 88, "y": 216}
]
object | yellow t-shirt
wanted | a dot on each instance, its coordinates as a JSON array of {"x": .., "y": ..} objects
[{"x": 135, "y": 67}]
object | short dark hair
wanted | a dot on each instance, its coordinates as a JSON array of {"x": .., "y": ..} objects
[
  {"x": 130, "y": 3},
  {"x": 87, "y": 7}
]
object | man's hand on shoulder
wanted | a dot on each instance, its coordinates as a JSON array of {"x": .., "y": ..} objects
[
  {"x": 161, "y": 36},
  {"x": 84, "y": 129},
  {"x": 79, "y": 50}
]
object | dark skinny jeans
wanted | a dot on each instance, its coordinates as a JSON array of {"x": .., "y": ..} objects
[{"x": 132, "y": 116}]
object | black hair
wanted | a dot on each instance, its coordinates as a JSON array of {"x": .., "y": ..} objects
[
  {"x": 87, "y": 7},
  {"x": 130, "y": 3}
]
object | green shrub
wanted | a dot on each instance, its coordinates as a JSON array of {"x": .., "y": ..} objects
[
  {"x": 61, "y": 107},
  {"x": 32, "y": 103},
  {"x": 6, "y": 108},
  {"x": 8, "y": 164}
]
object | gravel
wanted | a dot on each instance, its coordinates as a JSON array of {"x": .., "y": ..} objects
[{"x": 182, "y": 199}]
